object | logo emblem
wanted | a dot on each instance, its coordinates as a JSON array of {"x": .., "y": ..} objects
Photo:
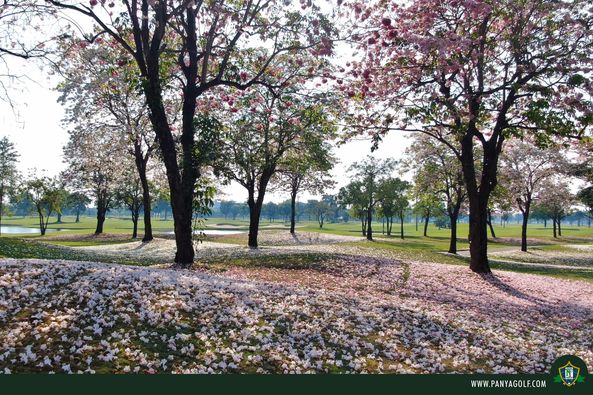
[{"x": 569, "y": 374}]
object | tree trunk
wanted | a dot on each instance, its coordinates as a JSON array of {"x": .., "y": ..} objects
[
  {"x": 426, "y": 220},
  {"x": 478, "y": 196},
  {"x": 41, "y": 223},
  {"x": 363, "y": 226},
  {"x": 181, "y": 181},
  {"x": 554, "y": 226},
  {"x": 369, "y": 226},
  {"x": 1, "y": 206},
  {"x": 401, "y": 226},
  {"x": 102, "y": 207},
  {"x": 478, "y": 236},
  {"x": 100, "y": 221},
  {"x": 453, "y": 237},
  {"x": 77, "y": 216},
  {"x": 135, "y": 217},
  {"x": 254, "y": 214},
  {"x": 525, "y": 213},
  {"x": 292, "y": 211},
  {"x": 135, "y": 230},
  {"x": 559, "y": 227},
  {"x": 59, "y": 220},
  {"x": 141, "y": 162},
  {"x": 182, "y": 222},
  {"x": 490, "y": 224},
  {"x": 255, "y": 206}
]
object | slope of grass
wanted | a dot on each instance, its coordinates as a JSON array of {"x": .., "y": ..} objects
[{"x": 12, "y": 247}]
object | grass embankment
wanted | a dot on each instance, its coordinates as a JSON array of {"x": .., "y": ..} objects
[{"x": 11, "y": 247}]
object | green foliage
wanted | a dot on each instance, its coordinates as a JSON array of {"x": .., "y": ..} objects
[
  {"x": 207, "y": 139},
  {"x": 203, "y": 201},
  {"x": 8, "y": 160},
  {"x": 47, "y": 198},
  {"x": 392, "y": 193},
  {"x": 24, "y": 249},
  {"x": 585, "y": 196},
  {"x": 77, "y": 201},
  {"x": 8, "y": 171},
  {"x": 550, "y": 122},
  {"x": 352, "y": 196},
  {"x": 439, "y": 186}
]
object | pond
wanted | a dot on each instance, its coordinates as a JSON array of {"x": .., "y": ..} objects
[{"x": 22, "y": 230}]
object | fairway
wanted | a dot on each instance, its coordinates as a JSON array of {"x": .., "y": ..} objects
[
  {"x": 549, "y": 256},
  {"x": 123, "y": 225}
]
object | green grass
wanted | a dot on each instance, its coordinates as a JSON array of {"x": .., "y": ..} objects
[
  {"x": 282, "y": 261},
  {"x": 11, "y": 247},
  {"x": 570, "y": 274},
  {"x": 123, "y": 225},
  {"x": 426, "y": 252},
  {"x": 86, "y": 243},
  {"x": 118, "y": 225},
  {"x": 414, "y": 247},
  {"x": 510, "y": 230},
  {"x": 22, "y": 248}
]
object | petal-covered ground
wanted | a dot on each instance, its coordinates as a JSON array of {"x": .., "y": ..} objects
[
  {"x": 567, "y": 255},
  {"x": 345, "y": 313},
  {"x": 276, "y": 238}
]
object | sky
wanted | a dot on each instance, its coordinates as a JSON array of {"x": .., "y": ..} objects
[{"x": 34, "y": 126}]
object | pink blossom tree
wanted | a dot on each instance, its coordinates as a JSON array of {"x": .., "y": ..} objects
[
  {"x": 305, "y": 168},
  {"x": 100, "y": 88},
  {"x": 363, "y": 193},
  {"x": 557, "y": 201},
  {"x": 525, "y": 168},
  {"x": 263, "y": 127},
  {"x": 95, "y": 160},
  {"x": 474, "y": 72},
  {"x": 439, "y": 174},
  {"x": 208, "y": 43}
]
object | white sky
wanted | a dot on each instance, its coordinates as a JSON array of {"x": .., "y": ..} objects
[{"x": 34, "y": 126}]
